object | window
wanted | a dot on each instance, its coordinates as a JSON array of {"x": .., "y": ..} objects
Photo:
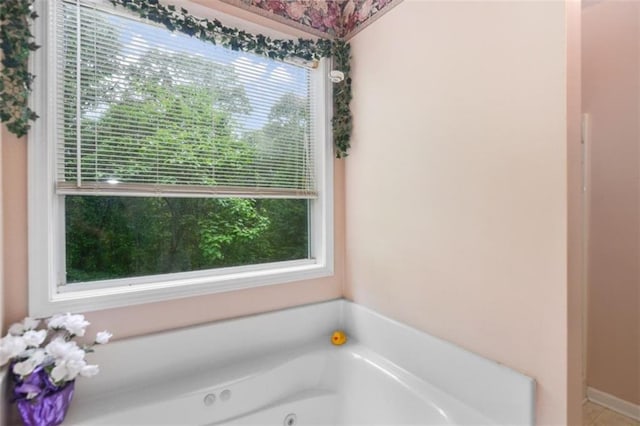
[{"x": 164, "y": 166}]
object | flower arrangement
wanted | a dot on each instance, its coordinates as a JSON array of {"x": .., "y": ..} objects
[
  {"x": 43, "y": 355},
  {"x": 45, "y": 360}
]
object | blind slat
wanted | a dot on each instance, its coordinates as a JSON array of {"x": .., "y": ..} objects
[{"x": 162, "y": 113}]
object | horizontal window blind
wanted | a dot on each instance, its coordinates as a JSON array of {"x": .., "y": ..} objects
[{"x": 145, "y": 111}]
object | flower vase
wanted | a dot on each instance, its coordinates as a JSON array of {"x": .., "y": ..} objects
[{"x": 51, "y": 404}]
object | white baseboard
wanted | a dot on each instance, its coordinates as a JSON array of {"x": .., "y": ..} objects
[{"x": 614, "y": 403}]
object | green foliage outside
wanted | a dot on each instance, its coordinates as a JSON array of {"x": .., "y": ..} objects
[
  {"x": 117, "y": 237},
  {"x": 121, "y": 236}
]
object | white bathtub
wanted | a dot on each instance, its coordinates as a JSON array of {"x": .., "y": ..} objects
[{"x": 280, "y": 369}]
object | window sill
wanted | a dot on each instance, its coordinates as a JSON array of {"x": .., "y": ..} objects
[{"x": 92, "y": 296}]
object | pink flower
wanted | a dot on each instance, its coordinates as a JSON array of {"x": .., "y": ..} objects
[
  {"x": 322, "y": 5},
  {"x": 349, "y": 24},
  {"x": 329, "y": 21},
  {"x": 365, "y": 10},
  {"x": 316, "y": 19},
  {"x": 276, "y": 6},
  {"x": 348, "y": 10},
  {"x": 296, "y": 10}
]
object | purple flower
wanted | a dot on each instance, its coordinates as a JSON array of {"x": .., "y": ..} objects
[
  {"x": 331, "y": 17},
  {"x": 316, "y": 19}
]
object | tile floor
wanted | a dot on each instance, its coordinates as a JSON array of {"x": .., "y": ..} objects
[{"x": 596, "y": 415}]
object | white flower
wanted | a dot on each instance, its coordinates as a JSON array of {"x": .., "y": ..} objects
[
  {"x": 68, "y": 358},
  {"x": 58, "y": 348},
  {"x": 27, "y": 324},
  {"x": 103, "y": 337},
  {"x": 38, "y": 356},
  {"x": 31, "y": 323},
  {"x": 89, "y": 371},
  {"x": 34, "y": 338},
  {"x": 57, "y": 321},
  {"x": 25, "y": 367},
  {"x": 67, "y": 370},
  {"x": 74, "y": 324},
  {"x": 62, "y": 354},
  {"x": 16, "y": 329},
  {"x": 10, "y": 347}
]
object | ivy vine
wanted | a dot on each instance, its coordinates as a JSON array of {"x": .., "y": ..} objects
[
  {"x": 342, "y": 119},
  {"x": 15, "y": 79},
  {"x": 17, "y": 43}
]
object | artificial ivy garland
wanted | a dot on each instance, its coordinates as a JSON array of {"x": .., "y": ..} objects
[
  {"x": 17, "y": 43},
  {"x": 15, "y": 79}
]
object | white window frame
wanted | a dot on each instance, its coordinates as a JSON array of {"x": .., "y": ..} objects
[{"x": 47, "y": 223}]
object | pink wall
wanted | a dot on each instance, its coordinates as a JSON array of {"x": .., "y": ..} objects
[
  {"x": 611, "y": 94},
  {"x": 457, "y": 184},
  {"x": 575, "y": 220},
  {"x": 14, "y": 216}
]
